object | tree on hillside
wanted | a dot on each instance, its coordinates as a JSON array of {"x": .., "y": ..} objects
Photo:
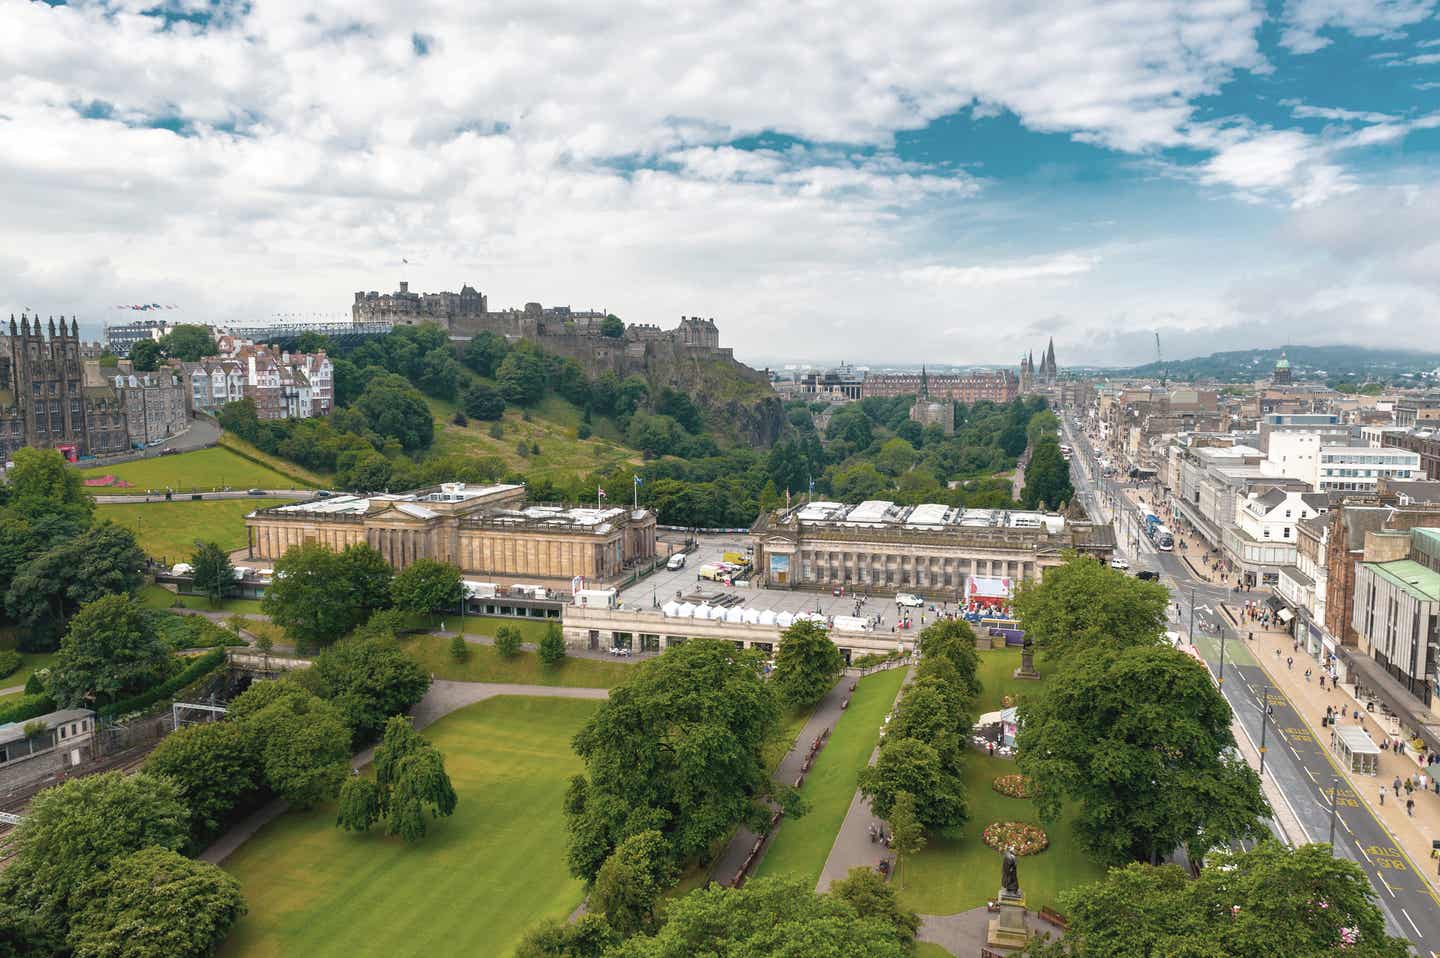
[
  {"x": 217, "y": 766},
  {"x": 895, "y": 456},
  {"x": 154, "y": 903},
  {"x": 482, "y": 401},
  {"x": 1271, "y": 900},
  {"x": 40, "y": 481},
  {"x": 484, "y": 352},
  {"x": 850, "y": 424},
  {"x": 769, "y": 916},
  {"x": 392, "y": 407},
  {"x": 521, "y": 376},
  {"x": 911, "y": 766},
  {"x": 677, "y": 747},
  {"x": 427, "y": 585},
  {"x": 1083, "y": 604},
  {"x": 74, "y": 831},
  {"x": 303, "y": 742},
  {"x": 188, "y": 342},
  {"x": 110, "y": 649},
  {"x": 1140, "y": 738},
  {"x": 630, "y": 883},
  {"x": 612, "y": 326},
  {"x": 1047, "y": 477},
  {"x": 213, "y": 575},
  {"x": 409, "y": 779},
  {"x": 806, "y": 665}
]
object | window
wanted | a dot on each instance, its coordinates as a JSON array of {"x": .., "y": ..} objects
[{"x": 1285, "y": 534}]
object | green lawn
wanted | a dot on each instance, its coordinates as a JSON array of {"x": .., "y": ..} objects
[
  {"x": 31, "y": 662},
  {"x": 531, "y": 630},
  {"x": 951, "y": 875},
  {"x": 802, "y": 845},
  {"x": 484, "y": 664},
  {"x": 158, "y": 597},
  {"x": 925, "y": 949},
  {"x": 168, "y": 530},
  {"x": 470, "y": 887},
  {"x": 203, "y": 470},
  {"x": 552, "y": 426}
]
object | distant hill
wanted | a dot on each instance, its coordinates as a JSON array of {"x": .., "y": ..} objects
[{"x": 1306, "y": 363}]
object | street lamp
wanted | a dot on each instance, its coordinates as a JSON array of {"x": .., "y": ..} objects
[
  {"x": 1334, "y": 800},
  {"x": 1221, "y": 680},
  {"x": 1192, "y": 615}
]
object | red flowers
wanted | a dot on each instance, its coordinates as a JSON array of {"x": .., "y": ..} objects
[{"x": 1026, "y": 838}]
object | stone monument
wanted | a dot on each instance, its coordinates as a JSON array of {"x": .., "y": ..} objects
[
  {"x": 1010, "y": 930},
  {"x": 1027, "y": 662}
]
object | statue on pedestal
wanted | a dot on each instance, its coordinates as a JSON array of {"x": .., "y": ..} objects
[
  {"x": 1027, "y": 661},
  {"x": 1009, "y": 876}
]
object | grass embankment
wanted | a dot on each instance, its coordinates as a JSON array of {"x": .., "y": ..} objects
[
  {"x": 952, "y": 875},
  {"x": 802, "y": 844},
  {"x": 168, "y": 530},
  {"x": 31, "y": 662},
  {"x": 159, "y": 597},
  {"x": 484, "y": 664},
  {"x": 301, "y": 478},
  {"x": 470, "y": 887},
  {"x": 204, "y": 470},
  {"x": 552, "y": 426}
]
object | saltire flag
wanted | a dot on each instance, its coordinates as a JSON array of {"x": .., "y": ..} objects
[{"x": 600, "y": 493}]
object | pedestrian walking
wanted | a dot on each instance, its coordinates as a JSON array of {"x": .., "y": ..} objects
[
  {"x": 1410, "y": 807},
  {"x": 1382, "y": 794},
  {"x": 1289, "y": 662},
  {"x": 1396, "y": 785}
]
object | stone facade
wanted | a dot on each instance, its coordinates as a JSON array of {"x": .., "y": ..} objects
[
  {"x": 44, "y": 400},
  {"x": 486, "y": 531},
  {"x": 156, "y": 404},
  {"x": 1000, "y": 386}
]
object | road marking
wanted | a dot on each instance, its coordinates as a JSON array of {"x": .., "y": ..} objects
[
  {"x": 1312, "y": 776},
  {"x": 1410, "y": 920},
  {"x": 1386, "y": 884}
]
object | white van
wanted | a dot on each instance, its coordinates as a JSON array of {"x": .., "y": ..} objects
[
  {"x": 677, "y": 561},
  {"x": 909, "y": 600}
]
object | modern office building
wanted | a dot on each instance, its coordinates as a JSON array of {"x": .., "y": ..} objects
[{"x": 1397, "y": 608}]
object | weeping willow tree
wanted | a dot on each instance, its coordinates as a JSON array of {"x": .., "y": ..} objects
[{"x": 410, "y": 781}]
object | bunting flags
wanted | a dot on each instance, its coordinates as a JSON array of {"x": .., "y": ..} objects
[{"x": 147, "y": 307}]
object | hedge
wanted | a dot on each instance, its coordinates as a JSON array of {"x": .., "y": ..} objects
[
  {"x": 196, "y": 670},
  {"x": 26, "y": 708},
  {"x": 10, "y": 662}
]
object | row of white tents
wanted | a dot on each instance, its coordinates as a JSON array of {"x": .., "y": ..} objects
[{"x": 716, "y": 613}]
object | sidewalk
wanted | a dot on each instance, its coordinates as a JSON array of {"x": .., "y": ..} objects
[{"x": 1413, "y": 834}]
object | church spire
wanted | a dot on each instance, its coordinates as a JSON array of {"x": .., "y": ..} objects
[{"x": 924, "y": 383}]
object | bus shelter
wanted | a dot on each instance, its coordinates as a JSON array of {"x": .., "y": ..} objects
[{"x": 1356, "y": 749}]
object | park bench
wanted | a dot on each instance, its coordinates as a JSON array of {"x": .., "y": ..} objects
[{"x": 1054, "y": 917}]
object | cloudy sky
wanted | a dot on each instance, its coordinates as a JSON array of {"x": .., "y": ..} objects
[{"x": 948, "y": 182}]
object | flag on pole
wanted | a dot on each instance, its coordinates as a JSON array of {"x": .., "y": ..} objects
[{"x": 600, "y": 493}]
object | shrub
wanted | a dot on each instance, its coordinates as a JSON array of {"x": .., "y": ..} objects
[
  {"x": 497, "y": 431},
  {"x": 507, "y": 641},
  {"x": 552, "y": 645},
  {"x": 583, "y": 431},
  {"x": 459, "y": 649},
  {"x": 26, "y": 708},
  {"x": 199, "y": 668},
  {"x": 33, "y": 685},
  {"x": 1015, "y": 786},
  {"x": 10, "y": 662}
]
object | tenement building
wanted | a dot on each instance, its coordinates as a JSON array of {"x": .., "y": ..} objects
[
  {"x": 44, "y": 400},
  {"x": 487, "y": 531},
  {"x": 1000, "y": 386},
  {"x": 931, "y": 549}
]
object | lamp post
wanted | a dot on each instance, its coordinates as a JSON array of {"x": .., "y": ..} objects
[
  {"x": 1221, "y": 679},
  {"x": 1264, "y": 721},
  {"x": 1192, "y": 615}
]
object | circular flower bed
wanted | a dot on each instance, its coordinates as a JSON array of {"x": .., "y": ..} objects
[
  {"x": 1015, "y": 786},
  {"x": 1024, "y": 837}
]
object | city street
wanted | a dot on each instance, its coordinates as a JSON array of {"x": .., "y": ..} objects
[{"x": 1301, "y": 768}]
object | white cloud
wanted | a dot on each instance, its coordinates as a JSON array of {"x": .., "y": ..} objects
[
  {"x": 1304, "y": 20},
  {"x": 1032, "y": 270}
]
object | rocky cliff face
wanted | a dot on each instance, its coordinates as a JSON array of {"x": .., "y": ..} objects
[{"x": 737, "y": 401}]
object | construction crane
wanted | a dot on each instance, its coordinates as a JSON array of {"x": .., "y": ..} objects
[{"x": 1159, "y": 360}]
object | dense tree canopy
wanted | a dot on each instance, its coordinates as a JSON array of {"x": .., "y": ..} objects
[
  {"x": 303, "y": 742},
  {"x": 771, "y": 916},
  {"x": 427, "y": 585},
  {"x": 807, "y": 664},
  {"x": 677, "y": 748},
  {"x": 1263, "y": 903},
  {"x": 73, "y": 832},
  {"x": 1084, "y": 604},
  {"x": 217, "y": 766},
  {"x": 154, "y": 903},
  {"x": 368, "y": 679},
  {"x": 111, "y": 649},
  {"x": 50, "y": 587},
  {"x": 318, "y": 595},
  {"x": 1140, "y": 737},
  {"x": 628, "y": 888},
  {"x": 1047, "y": 477},
  {"x": 213, "y": 575},
  {"x": 188, "y": 342},
  {"x": 392, "y": 407},
  {"x": 910, "y": 765},
  {"x": 410, "y": 780}
]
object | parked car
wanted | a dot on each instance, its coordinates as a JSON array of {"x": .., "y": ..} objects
[
  {"x": 1119, "y": 563},
  {"x": 909, "y": 600},
  {"x": 323, "y": 493},
  {"x": 1147, "y": 575},
  {"x": 677, "y": 561},
  {"x": 255, "y": 492},
  {"x": 619, "y": 650}
]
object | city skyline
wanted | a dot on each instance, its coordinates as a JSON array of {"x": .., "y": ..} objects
[{"x": 955, "y": 184}]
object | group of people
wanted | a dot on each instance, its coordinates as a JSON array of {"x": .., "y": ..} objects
[
  {"x": 1261, "y": 615},
  {"x": 878, "y": 834}
]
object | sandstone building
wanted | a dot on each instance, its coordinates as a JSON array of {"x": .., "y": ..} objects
[
  {"x": 486, "y": 531},
  {"x": 931, "y": 549},
  {"x": 999, "y": 386}
]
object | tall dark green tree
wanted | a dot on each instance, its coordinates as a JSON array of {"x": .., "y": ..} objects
[
  {"x": 1084, "y": 604},
  {"x": 48, "y": 589},
  {"x": 908, "y": 765},
  {"x": 427, "y": 585},
  {"x": 679, "y": 748},
  {"x": 1140, "y": 738},
  {"x": 394, "y": 408},
  {"x": 369, "y": 679},
  {"x": 213, "y": 575},
  {"x": 189, "y": 342},
  {"x": 111, "y": 649},
  {"x": 806, "y": 665},
  {"x": 1047, "y": 477},
  {"x": 521, "y": 376},
  {"x": 628, "y": 888},
  {"x": 217, "y": 766},
  {"x": 410, "y": 780},
  {"x": 303, "y": 742}
]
